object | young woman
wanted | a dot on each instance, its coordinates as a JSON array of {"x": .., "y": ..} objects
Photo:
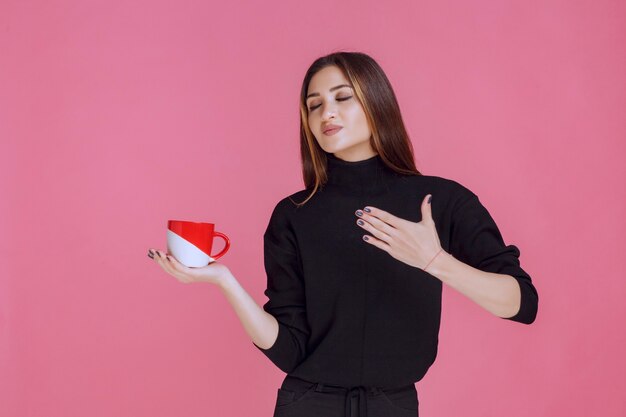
[{"x": 355, "y": 262}]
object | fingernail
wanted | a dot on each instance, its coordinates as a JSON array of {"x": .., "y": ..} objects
[
  {"x": 360, "y": 222},
  {"x": 430, "y": 199},
  {"x": 366, "y": 238},
  {"x": 359, "y": 213},
  {"x": 367, "y": 209},
  {"x": 150, "y": 256}
]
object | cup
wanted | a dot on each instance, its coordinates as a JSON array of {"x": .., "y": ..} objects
[{"x": 191, "y": 242}]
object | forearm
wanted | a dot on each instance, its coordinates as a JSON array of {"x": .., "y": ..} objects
[
  {"x": 497, "y": 293},
  {"x": 261, "y": 326}
]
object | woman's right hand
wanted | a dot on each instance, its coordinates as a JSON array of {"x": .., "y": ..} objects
[{"x": 214, "y": 272}]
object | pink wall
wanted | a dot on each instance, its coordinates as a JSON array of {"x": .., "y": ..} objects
[{"x": 116, "y": 116}]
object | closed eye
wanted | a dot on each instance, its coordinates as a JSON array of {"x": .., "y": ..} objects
[{"x": 338, "y": 99}]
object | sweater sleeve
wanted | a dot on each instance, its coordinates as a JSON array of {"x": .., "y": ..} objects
[
  {"x": 285, "y": 292},
  {"x": 477, "y": 241}
]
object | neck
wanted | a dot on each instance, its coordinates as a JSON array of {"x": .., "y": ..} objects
[{"x": 362, "y": 176}]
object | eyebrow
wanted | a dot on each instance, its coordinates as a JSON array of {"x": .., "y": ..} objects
[{"x": 332, "y": 89}]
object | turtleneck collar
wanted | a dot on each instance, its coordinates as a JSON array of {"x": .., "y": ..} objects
[{"x": 366, "y": 175}]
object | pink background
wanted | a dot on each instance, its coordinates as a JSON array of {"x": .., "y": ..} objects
[{"x": 116, "y": 116}]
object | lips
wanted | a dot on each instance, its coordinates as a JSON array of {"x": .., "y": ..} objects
[{"x": 330, "y": 129}]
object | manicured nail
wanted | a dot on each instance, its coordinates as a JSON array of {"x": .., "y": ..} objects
[
  {"x": 150, "y": 256},
  {"x": 366, "y": 238},
  {"x": 430, "y": 199},
  {"x": 367, "y": 209},
  {"x": 359, "y": 213},
  {"x": 360, "y": 222}
]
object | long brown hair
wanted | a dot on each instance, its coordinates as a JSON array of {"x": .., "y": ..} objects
[{"x": 373, "y": 90}]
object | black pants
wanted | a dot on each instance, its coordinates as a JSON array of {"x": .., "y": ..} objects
[{"x": 299, "y": 398}]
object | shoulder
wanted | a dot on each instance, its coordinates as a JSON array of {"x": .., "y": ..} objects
[
  {"x": 287, "y": 205},
  {"x": 293, "y": 202},
  {"x": 452, "y": 190},
  {"x": 290, "y": 202}
]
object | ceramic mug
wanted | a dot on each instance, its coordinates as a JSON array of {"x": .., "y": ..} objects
[{"x": 191, "y": 242}]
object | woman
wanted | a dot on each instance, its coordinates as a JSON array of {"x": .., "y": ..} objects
[{"x": 355, "y": 262}]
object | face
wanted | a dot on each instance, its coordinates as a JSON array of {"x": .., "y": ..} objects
[{"x": 331, "y": 100}]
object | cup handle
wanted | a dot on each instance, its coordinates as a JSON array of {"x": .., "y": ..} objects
[{"x": 226, "y": 247}]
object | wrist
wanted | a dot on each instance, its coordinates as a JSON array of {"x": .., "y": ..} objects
[
  {"x": 226, "y": 281},
  {"x": 441, "y": 265}
]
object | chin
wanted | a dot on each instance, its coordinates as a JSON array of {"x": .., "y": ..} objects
[
  {"x": 334, "y": 146},
  {"x": 329, "y": 147}
]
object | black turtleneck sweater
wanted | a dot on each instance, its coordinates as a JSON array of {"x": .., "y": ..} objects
[{"x": 349, "y": 313}]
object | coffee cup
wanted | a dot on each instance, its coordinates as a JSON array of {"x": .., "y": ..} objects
[{"x": 191, "y": 242}]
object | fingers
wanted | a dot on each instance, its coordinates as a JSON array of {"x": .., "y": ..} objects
[
  {"x": 168, "y": 264},
  {"x": 376, "y": 226},
  {"x": 383, "y": 215},
  {"x": 427, "y": 213},
  {"x": 161, "y": 259},
  {"x": 180, "y": 271}
]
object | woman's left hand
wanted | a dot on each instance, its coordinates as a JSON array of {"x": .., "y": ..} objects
[{"x": 414, "y": 243}]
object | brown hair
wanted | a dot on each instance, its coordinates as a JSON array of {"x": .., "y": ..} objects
[{"x": 373, "y": 90}]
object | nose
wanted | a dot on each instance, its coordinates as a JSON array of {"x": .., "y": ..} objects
[
  {"x": 329, "y": 111},
  {"x": 329, "y": 114}
]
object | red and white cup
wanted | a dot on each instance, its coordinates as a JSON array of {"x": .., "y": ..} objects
[{"x": 191, "y": 242}]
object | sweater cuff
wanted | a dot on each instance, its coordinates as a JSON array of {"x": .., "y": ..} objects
[
  {"x": 528, "y": 304},
  {"x": 279, "y": 351}
]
